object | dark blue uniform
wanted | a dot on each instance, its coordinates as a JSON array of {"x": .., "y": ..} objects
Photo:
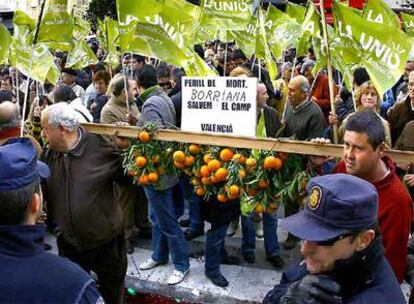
[
  {"x": 365, "y": 281},
  {"x": 28, "y": 274}
]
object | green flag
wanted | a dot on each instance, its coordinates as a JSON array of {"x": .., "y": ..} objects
[
  {"x": 197, "y": 67},
  {"x": 311, "y": 28},
  {"x": 56, "y": 24},
  {"x": 225, "y": 14},
  {"x": 246, "y": 39},
  {"x": 408, "y": 22},
  {"x": 23, "y": 27},
  {"x": 296, "y": 11},
  {"x": 41, "y": 62},
  {"x": 132, "y": 9},
  {"x": 5, "y": 42},
  {"x": 53, "y": 75},
  {"x": 379, "y": 12},
  {"x": 383, "y": 48},
  {"x": 81, "y": 28},
  {"x": 263, "y": 51},
  {"x": 282, "y": 31},
  {"x": 80, "y": 56},
  {"x": 108, "y": 35}
]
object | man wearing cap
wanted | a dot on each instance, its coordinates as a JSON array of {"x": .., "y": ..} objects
[
  {"x": 343, "y": 254},
  {"x": 29, "y": 274},
  {"x": 81, "y": 200},
  {"x": 69, "y": 79}
]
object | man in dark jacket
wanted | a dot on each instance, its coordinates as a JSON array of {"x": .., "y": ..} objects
[
  {"x": 343, "y": 256},
  {"x": 81, "y": 200},
  {"x": 29, "y": 274}
]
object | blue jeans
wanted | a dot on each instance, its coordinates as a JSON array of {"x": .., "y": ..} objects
[
  {"x": 167, "y": 236},
  {"x": 215, "y": 249},
  {"x": 194, "y": 202},
  {"x": 270, "y": 234}
]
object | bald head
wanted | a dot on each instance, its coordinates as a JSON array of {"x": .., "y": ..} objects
[
  {"x": 9, "y": 115},
  {"x": 298, "y": 89}
]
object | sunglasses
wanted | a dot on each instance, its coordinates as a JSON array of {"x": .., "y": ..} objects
[
  {"x": 164, "y": 84},
  {"x": 331, "y": 242}
]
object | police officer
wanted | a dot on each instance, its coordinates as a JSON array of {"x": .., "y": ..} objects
[
  {"x": 343, "y": 254},
  {"x": 28, "y": 273}
]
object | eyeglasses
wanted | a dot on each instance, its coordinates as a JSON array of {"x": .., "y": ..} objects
[
  {"x": 332, "y": 241},
  {"x": 164, "y": 84}
]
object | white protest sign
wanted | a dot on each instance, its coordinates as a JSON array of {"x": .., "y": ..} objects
[{"x": 220, "y": 105}]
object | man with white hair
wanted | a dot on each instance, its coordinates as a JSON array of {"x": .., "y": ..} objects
[{"x": 80, "y": 197}]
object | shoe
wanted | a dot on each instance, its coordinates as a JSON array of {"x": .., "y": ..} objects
[
  {"x": 192, "y": 234},
  {"x": 233, "y": 228},
  {"x": 291, "y": 242},
  {"x": 230, "y": 260},
  {"x": 177, "y": 277},
  {"x": 149, "y": 264},
  {"x": 218, "y": 280},
  {"x": 185, "y": 223},
  {"x": 249, "y": 258},
  {"x": 276, "y": 261},
  {"x": 129, "y": 247}
]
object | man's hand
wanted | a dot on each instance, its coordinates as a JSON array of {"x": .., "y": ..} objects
[
  {"x": 313, "y": 289},
  {"x": 333, "y": 119},
  {"x": 131, "y": 119},
  {"x": 409, "y": 179},
  {"x": 321, "y": 140}
]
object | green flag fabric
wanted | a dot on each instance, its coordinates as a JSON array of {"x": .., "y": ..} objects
[
  {"x": 379, "y": 12},
  {"x": 132, "y": 9},
  {"x": 80, "y": 56},
  {"x": 5, "y": 42},
  {"x": 225, "y": 14},
  {"x": 38, "y": 66},
  {"x": 296, "y": 11},
  {"x": 197, "y": 67},
  {"x": 408, "y": 22},
  {"x": 56, "y": 24},
  {"x": 383, "y": 48},
  {"x": 311, "y": 28},
  {"x": 24, "y": 26},
  {"x": 81, "y": 28}
]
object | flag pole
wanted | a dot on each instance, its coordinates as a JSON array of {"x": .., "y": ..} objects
[
  {"x": 26, "y": 95},
  {"x": 329, "y": 67}
]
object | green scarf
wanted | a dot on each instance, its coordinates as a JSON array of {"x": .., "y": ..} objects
[{"x": 146, "y": 94}]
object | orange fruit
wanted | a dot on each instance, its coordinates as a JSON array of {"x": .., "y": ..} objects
[
  {"x": 143, "y": 136},
  {"x": 222, "y": 198},
  {"x": 205, "y": 171},
  {"x": 153, "y": 177},
  {"x": 214, "y": 165},
  {"x": 214, "y": 180},
  {"x": 242, "y": 173},
  {"x": 197, "y": 173},
  {"x": 232, "y": 197},
  {"x": 237, "y": 157},
  {"x": 242, "y": 159},
  {"x": 221, "y": 174},
  {"x": 140, "y": 161},
  {"x": 278, "y": 163},
  {"x": 205, "y": 181},
  {"x": 200, "y": 191},
  {"x": 259, "y": 208},
  {"x": 251, "y": 162},
  {"x": 207, "y": 157},
  {"x": 263, "y": 184},
  {"x": 179, "y": 156},
  {"x": 233, "y": 190},
  {"x": 189, "y": 161},
  {"x": 226, "y": 154},
  {"x": 269, "y": 162},
  {"x": 155, "y": 159},
  {"x": 143, "y": 180},
  {"x": 179, "y": 165},
  {"x": 194, "y": 149}
]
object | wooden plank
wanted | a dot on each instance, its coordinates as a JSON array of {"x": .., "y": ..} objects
[{"x": 281, "y": 145}]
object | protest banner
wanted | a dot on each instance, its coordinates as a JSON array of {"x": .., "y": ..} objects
[
  {"x": 5, "y": 41},
  {"x": 379, "y": 12},
  {"x": 221, "y": 105},
  {"x": 408, "y": 22},
  {"x": 225, "y": 14}
]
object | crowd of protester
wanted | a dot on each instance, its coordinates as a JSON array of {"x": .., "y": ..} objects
[{"x": 92, "y": 208}]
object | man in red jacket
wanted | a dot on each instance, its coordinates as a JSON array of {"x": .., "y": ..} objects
[{"x": 363, "y": 157}]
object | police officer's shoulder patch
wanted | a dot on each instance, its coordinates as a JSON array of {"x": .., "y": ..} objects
[{"x": 315, "y": 197}]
